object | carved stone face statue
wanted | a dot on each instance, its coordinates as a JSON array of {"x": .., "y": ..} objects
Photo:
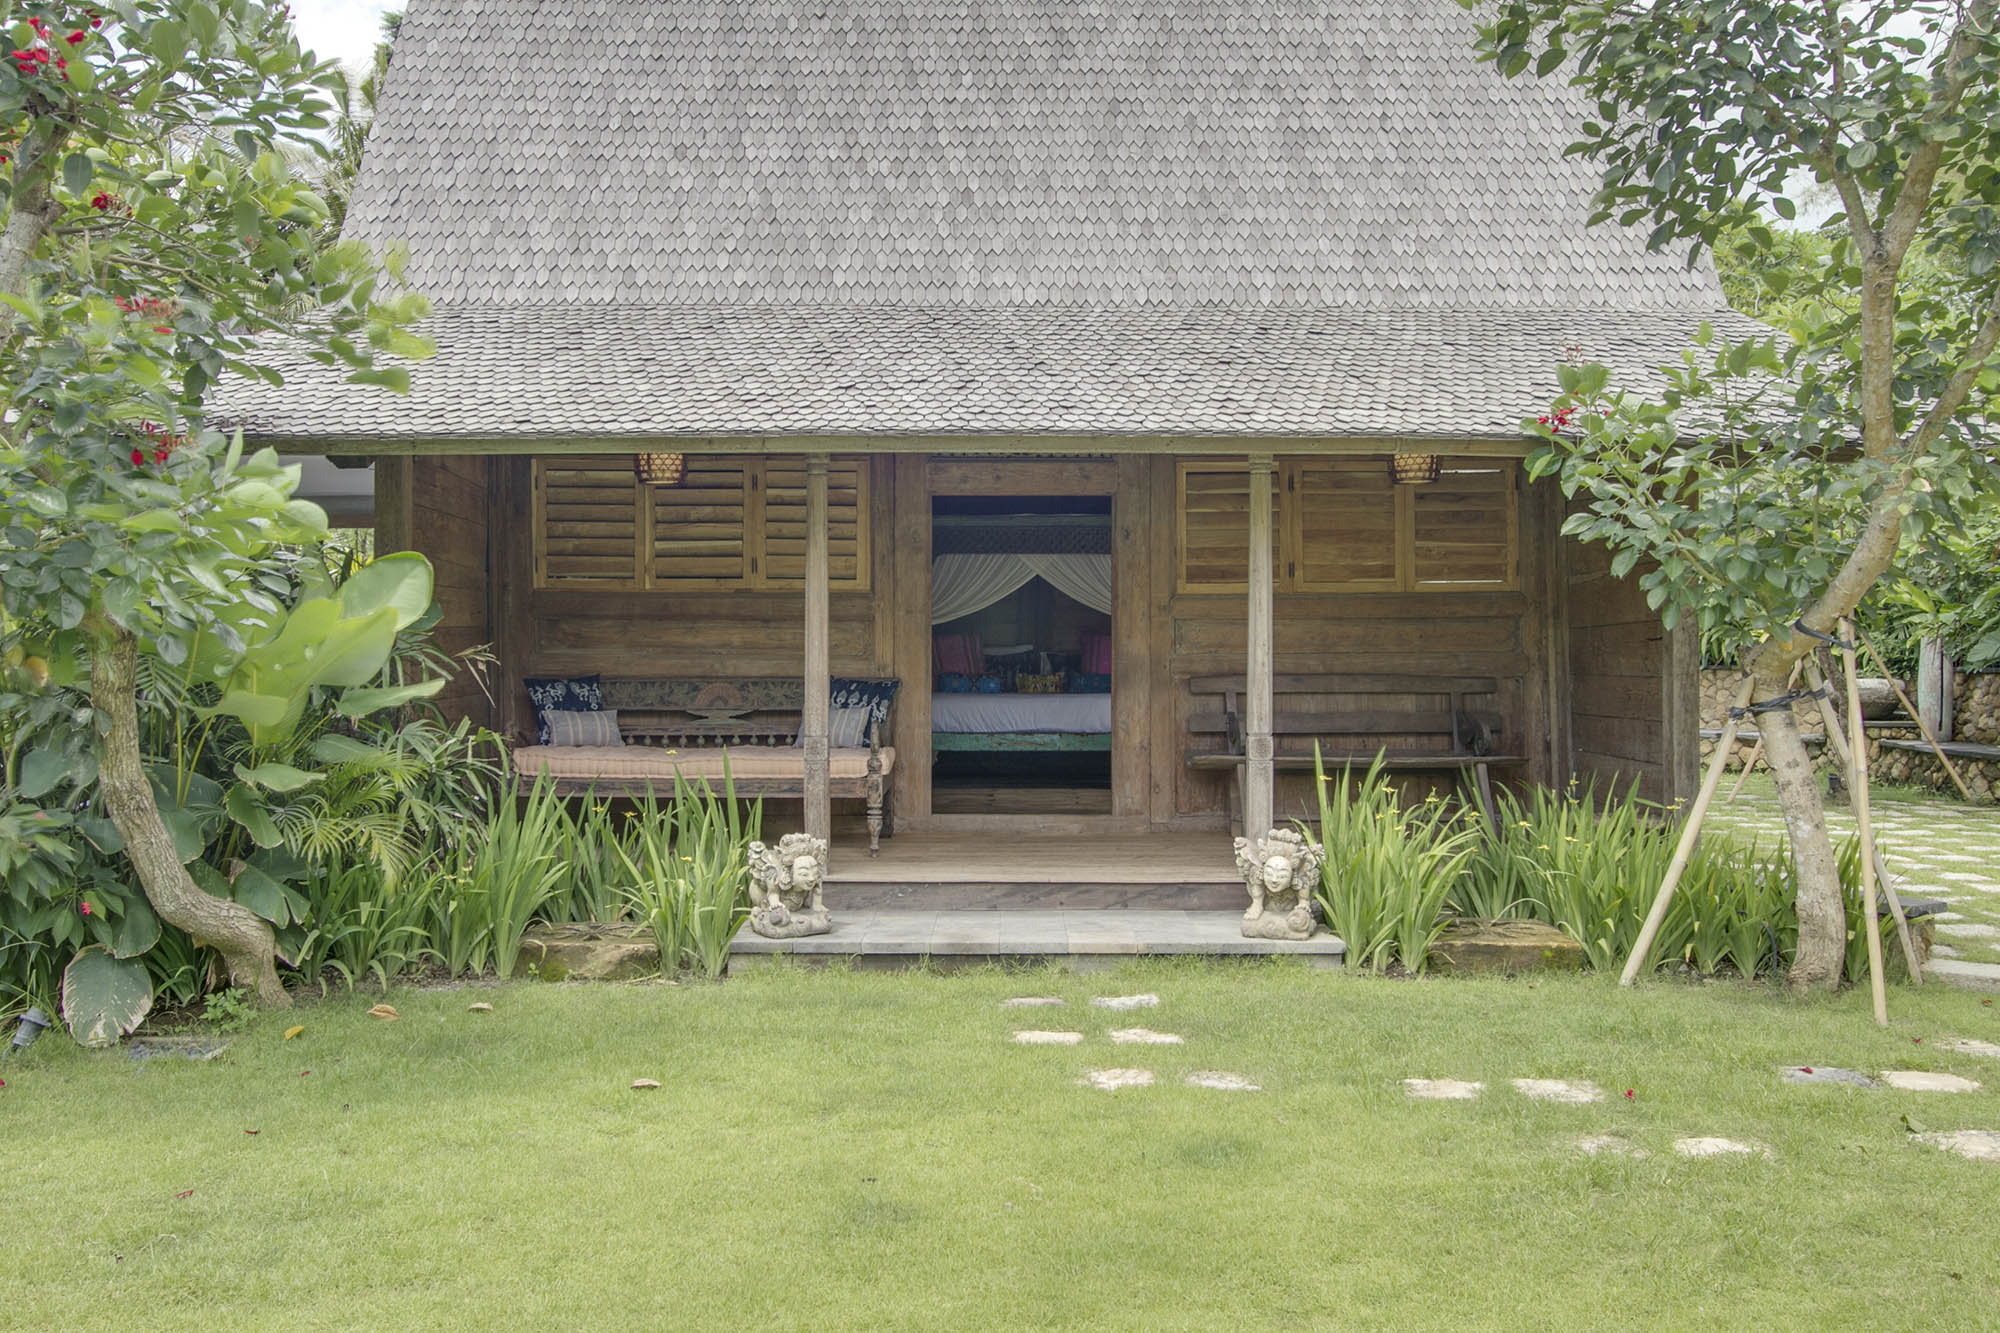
[
  {"x": 1278, "y": 875},
  {"x": 805, "y": 874}
]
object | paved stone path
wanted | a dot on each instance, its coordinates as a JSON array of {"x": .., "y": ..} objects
[{"x": 1935, "y": 847}]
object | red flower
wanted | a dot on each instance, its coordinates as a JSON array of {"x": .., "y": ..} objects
[
  {"x": 75, "y": 38},
  {"x": 83, "y": 908},
  {"x": 41, "y": 55},
  {"x": 101, "y": 201},
  {"x": 160, "y": 456},
  {"x": 1628, "y": 1094},
  {"x": 61, "y": 64},
  {"x": 161, "y": 328},
  {"x": 1805, "y": 1069},
  {"x": 138, "y": 458}
]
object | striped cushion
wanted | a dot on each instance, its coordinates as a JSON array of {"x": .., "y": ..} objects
[
  {"x": 846, "y": 728},
  {"x": 569, "y": 726}
]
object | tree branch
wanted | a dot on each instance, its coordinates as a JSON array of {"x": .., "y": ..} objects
[{"x": 1954, "y": 77}]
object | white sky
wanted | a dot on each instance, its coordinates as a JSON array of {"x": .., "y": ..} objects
[{"x": 343, "y": 30}]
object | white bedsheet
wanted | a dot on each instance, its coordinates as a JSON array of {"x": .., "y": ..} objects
[{"x": 983, "y": 714}]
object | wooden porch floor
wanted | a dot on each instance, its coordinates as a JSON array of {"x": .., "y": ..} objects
[{"x": 1006, "y": 871}]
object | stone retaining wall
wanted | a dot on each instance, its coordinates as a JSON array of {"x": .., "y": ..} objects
[{"x": 1976, "y": 716}]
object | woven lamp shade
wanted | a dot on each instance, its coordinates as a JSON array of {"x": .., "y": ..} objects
[
  {"x": 660, "y": 469},
  {"x": 1413, "y": 469}
]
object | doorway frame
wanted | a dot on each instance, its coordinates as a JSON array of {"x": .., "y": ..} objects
[{"x": 919, "y": 479}]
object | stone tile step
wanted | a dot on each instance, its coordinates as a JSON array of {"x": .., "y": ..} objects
[
  {"x": 1959, "y": 972},
  {"x": 892, "y": 934}
]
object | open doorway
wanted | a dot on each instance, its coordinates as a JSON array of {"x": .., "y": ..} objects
[{"x": 1021, "y": 602}]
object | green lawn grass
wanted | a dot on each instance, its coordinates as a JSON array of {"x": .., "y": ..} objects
[{"x": 836, "y": 1149}]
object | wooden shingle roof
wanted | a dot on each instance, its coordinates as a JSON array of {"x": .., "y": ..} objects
[{"x": 883, "y": 216}]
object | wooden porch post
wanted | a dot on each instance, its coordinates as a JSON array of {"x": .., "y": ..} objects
[
  {"x": 817, "y": 683},
  {"x": 1259, "y": 780}
]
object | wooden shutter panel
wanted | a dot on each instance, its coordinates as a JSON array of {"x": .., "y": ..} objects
[
  {"x": 1466, "y": 525},
  {"x": 1212, "y": 519},
  {"x": 784, "y": 527},
  {"x": 701, "y": 527},
  {"x": 586, "y": 523},
  {"x": 1342, "y": 525}
]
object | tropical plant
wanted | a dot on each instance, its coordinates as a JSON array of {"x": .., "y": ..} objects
[
  {"x": 689, "y": 872},
  {"x": 155, "y": 240},
  {"x": 1770, "y": 484},
  {"x": 1387, "y": 872}
]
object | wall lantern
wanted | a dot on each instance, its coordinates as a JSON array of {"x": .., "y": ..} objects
[
  {"x": 1413, "y": 469},
  {"x": 660, "y": 469}
]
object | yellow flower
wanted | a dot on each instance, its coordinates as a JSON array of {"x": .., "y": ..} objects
[{"x": 1541, "y": 847}]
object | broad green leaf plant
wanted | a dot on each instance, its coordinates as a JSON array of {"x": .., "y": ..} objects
[
  {"x": 156, "y": 240},
  {"x": 1769, "y": 485}
]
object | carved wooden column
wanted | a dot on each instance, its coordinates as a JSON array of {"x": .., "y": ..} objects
[
  {"x": 817, "y": 682},
  {"x": 1259, "y": 780}
]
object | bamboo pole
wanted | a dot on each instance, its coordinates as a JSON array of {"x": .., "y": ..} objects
[
  {"x": 1692, "y": 831},
  {"x": 1937, "y": 746},
  {"x": 1838, "y": 739},
  {"x": 1858, "y": 769}
]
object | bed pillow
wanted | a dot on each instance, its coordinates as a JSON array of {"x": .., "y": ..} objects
[
  {"x": 1009, "y": 663},
  {"x": 1084, "y": 682},
  {"x": 579, "y": 726},
  {"x": 873, "y": 695},
  {"x": 580, "y": 694},
  {"x": 954, "y": 682},
  {"x": 995, "y": 684},
  {"x": 846, "y": 729},
  {"x": 1049, "y": 684}
]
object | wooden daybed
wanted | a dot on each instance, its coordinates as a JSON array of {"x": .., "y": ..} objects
[{"x": 706, "y": 729}]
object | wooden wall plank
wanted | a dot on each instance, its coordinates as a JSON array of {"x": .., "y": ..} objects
[{"x": 1017, "y": 476}]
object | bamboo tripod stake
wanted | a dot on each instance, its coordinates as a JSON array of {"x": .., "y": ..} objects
[
  {"x": 1836, "y": 736},
  {"x": 1858, "y": 766},
  {"x": 1689, "y": 834},
  {"x": 1937, "y": 746}
]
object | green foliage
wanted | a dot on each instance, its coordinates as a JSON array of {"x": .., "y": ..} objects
[
  {"x": 1736, "y": 494},
  {"x": 513, "y": 869},
  {"x": 1387, "y": 871},
  {"x": 104, "y": 997},
  {"x": 688, "y": 873},
  {"x": 229, "y": 1010}
]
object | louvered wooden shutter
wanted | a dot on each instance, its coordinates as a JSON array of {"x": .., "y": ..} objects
[
  {"x": 1212, "y": 514},
  {"x": 701, "y": 528},
  {"x": 1341, "y": 525},
  {"x": 783, "y": 559},
  {"x": 586, "y": 522},
  {"x": 1466, "y": 525}
]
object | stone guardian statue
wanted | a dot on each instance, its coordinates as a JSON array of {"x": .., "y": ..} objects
[
  {"x": 785, "y": 887},
  {"x": 1281, "y": 872}
]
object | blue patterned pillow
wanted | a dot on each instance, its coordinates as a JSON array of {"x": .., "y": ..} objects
[
  {"x": 577, "y": 694},
  {"x": 874, "y": 695}
]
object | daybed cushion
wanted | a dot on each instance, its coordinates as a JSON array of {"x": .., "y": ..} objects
[
  {"x": 577, "y": 693},
  {"x": 571, "y": 727},
  {"x": 628, "y": 762}
]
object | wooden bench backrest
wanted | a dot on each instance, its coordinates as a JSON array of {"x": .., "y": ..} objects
[
  {"x": 697, "y": 713},
  {"x": 1430, "y": 709}
]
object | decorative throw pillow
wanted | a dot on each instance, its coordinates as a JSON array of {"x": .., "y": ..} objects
[
  {"x": 954, "y": 682},
  {"x": 1008, "y": 665},
  {"x": 577, "y": 726},
  {"x": 1049, "y": 684},
  {"x": 1090, "y": 683},
  {"x": 846, "y": 729},
  {"x": 874, "y": 695},
  {"x": 580, "y": 694}
]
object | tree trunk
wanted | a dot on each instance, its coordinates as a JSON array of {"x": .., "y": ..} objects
[
  {"x": 30, "y": 212},
  {"x": 242, "y": 938},
  {"x": 1822, "y": 915}
]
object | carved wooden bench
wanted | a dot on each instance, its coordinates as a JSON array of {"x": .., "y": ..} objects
[
  {"x": 1431, "y": 727},
  {"x": 700, "y": 729}
]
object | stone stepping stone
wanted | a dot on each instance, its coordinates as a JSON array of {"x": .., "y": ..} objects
[
  {"x": 1613, "y": 1145},
  {"x": 1972, "y": 1046},
  {"x": 1971, "y": 930},
  {"x": 1719, "y": 1147},
  {"x": 1110, "y": 1080},
  {"x": 1033, "y": 1037},
  {"x": 1144, "y": 1037},
  {"x": 1923, "y": 1080},
  {"x": 1221, "y": 1081},
  {"x": 1031, "y": 1001},
  {"x": 1825, "y": 1074},
  {"x": 1945, "y": 951},
  {"x": 1975, "y": 1145},
  {"x": 1966, "y": 973},
  {"x": 1567, "y": 1091},
  {"x": 1442, "y": 1089},
  {"x": 1125, "y": 1001}
]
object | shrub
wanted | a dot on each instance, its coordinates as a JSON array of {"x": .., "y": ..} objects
[
  {"x": 689, "y": 873},
  {"x": 1387, "y": 871}
]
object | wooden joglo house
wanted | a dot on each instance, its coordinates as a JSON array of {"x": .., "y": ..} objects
[{"x": 1052, "y": 360}]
